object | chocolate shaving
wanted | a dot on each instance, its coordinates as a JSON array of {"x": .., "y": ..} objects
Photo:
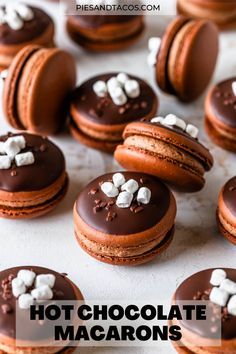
[
  {"x": 13, "y": 173},
  {"x": 93, "y": 191},
  {"x": 111, "y": 216},
  {"x": 6, "y": 308}
]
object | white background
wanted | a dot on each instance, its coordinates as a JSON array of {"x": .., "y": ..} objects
[{"x": 49, "y": 241}]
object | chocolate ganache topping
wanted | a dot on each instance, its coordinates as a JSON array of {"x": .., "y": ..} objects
[
  {"x": 223, "y": 102},
  {"x": 96, "y": 21},
  {"x": 103, "y": 214},
  {"x": 48, "y": 166},
  {"x": 62, "y": 290},
  {"x": 102, "y": 110},
  {"x": 229, "y": 195},
  {"x": 31, "y": 29},
  {"x": 198, "y": 287}
]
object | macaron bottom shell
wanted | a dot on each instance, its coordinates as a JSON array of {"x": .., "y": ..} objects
[{"x": 29, "y": 205}]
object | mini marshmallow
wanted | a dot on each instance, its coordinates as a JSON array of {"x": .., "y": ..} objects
[
  {"x": 118, "y": 179},
  {"x": 100, "y": 88},
  {"x": 4, "y": 74},
  {"x": 13, "y": 20},
  {"x": 132, "y": 88},
  {"x": 42, "y": 293},
  {"x": 122, "y": 78},
  {"x": 192, "y": 131},
  {"x": 217, "y": 276},
  {"x": 219, "y": 296},
  {"x": 234, "y": 88},
  {"x": 2, "y": 150},
  {"x": 157, "y": 120},
  {"x": 45, "y": 279},
  {"x": 5, "y": 162},
  {"x": 229, "y": 286},
  {"x": 124, "y": 200},
  {"x": 112, "y": 84},
  {"x": 18, "y": 287},
  {"x": 25, "y": 12},
  {"x": 27, "y": 276},
  {"x": 232, "y": 306},
  {"x": 152, "y": 59},
  {"x": 173, "y": 120},
  {"x": 130, "y": 186},
  {"x": 25, "y": 301},
  {"x": 154, "y": 44},
  {"x": 12, "y": 148},
  {"x": 118, "y": 96},
  {"x": 2, "y": 16},
  {"x": 109, "y": 189},
  {"x": 144, "y": 195},
  {"x": 19, "y": 139},
  {"x": 27, "y": 158}
]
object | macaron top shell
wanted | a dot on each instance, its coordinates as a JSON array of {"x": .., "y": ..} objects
[
  {"x": 222, "y": 102},
  {"x": 174, "y": 136},
  {"x": 126, "y": 221},
  {"x": 96, "y": 21},
  {"x": 62, "y": 290},
  {"x": 48, "y": 166},
  {"x": 197, "y": 287},
  {"x": 229, "y": 196},
  {"x": 31, "y": 29},
  {"x": 104, "y": 111}
]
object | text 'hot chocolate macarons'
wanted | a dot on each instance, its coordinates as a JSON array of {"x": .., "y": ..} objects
[
  {"x": 125, "y": 218},
  {"x": 226, "y": 211},
  {"x": 223, "y": 13},
  {"x": 180, "y": 56},
  {"x": 33, "y": 179},
  {"x": 22, "y": 287},
  {"x": 21, "y": 25},
  {"x": 36, "y": 89},
  {"x": 167, "y": 148},
  {"x": 102, "y": 107},
  {"x": 220, "y": 114},
  {"x": 105, "y": 32},
  {"x": 217, "y": 334}
]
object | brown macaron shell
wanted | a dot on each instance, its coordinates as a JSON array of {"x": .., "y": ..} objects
[
  {"x": 226, "y": 211},
  {"x": 105, "y": 33},
  {"x": 220, "y": 111},
  {"x": 63, "y": 290},
  {"x": 169, "y": 154},
  {"x": 35, "y": 97},
  {"x": 223, "y": 13},
  {"x": 129, "y": 238},
  {"x": 98, "y": 122},
  {"x": 39, "y": 31},
  {"x": 193, "y": 332},
  {"x": 178, "y": 60},
  {"x": 33, "y": 190}
]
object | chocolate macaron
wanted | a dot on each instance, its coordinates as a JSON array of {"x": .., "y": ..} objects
[
  {"x": 220, "y": 114},
  {"x": 223, "y": 13},
  {"x": 125, "y": 218},
  {"x": 21, "y": 25},
  {"x": 179, "y": 58},
  {"x": 102, "y": 106},
  {"x": 167, "y": 148},
  {"x": 226, "y": 211},
  {"x": 217, "y": 333},
  {"x": 35, "y": 95},
  {"x": 22, "y": 287},
  {"x": 101, "y": 33},
  {"x": 33, "y": 179}
]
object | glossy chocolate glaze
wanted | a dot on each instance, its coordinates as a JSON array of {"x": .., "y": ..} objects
[
  {"x": 48, "y": 167},
  {"x": 229, "y": 195},
  {"x": 126, "y": 221},
  {"x": 223, "y": 103},
  {"x": 96, "y": 21},
  {"x": 62, "y": 290},
  {"x": 31, "y": 30},
  {"x": 200, "y": 282},
  {"x": 104, "y": 111}
]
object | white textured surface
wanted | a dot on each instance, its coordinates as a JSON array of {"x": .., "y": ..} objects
[{"x": 49, "y": 241}]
